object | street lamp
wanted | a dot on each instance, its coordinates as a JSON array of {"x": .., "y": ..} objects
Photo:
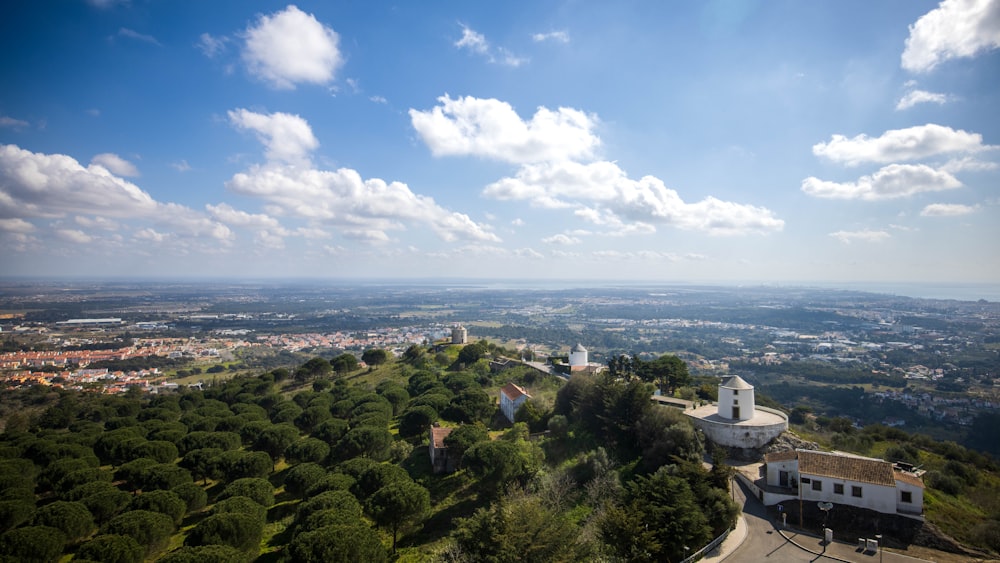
[{"x": 878, "y": 538}]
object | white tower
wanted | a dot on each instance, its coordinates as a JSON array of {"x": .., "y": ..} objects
[
  {"x": 459, "y": 335},
  {"x": 577, "y": 358},
  {"x": 736, "y": 400}
]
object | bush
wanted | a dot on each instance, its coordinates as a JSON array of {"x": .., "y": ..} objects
[
  {"x": 944, "y": 483},
  {"x": 195, "y": 498},
  {"x": 241, "y": 531},
  {"x": 164, "y": 502},
  {"x": 259, "y": 490},
  {"x": 111, "y": 549},
  {"x": 72, "y": 518},
  {"x": 32, "y": 543},
  {"x": 151, "y": 530}
]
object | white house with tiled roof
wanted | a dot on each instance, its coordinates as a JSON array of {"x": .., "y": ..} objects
[
  {"x": 511, "y": 398},
  {"x": 864, "y": 482}
]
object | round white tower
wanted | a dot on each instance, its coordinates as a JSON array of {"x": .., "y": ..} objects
[
  {"x": 736, "y": 400},
  {"x": 577, "y": 357}
]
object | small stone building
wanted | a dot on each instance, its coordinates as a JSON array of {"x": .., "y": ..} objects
[{"x": 441, "y": 462}]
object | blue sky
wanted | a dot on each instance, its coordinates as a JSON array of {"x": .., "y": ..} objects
[{"x": 717, "y": 141}]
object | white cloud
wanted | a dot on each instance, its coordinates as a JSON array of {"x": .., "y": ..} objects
[
  {"x": 74, "y": 236},
  {"x": 11, "y": 123},
  {"x": 517, "y": 222},
  {"x": 915, "y": 97},
  {"x": 947, "y": 210},
  {"x": 899, "y": 144},
  {"x": 602, "y": 193},
  {"x": 507, "y": 58},
  {"x": 15, "y": 225},
  {"x": 290, "y": 47},
  {"x": 42, "y": 185},
  {"x": 225, "y": 213},
  {"x": 115, "y": 164},
  {"x": 268, "y": 240},
  {"x": 889, "y": 182},
  {"x": 955, "y": 29},
  {"x": 288, "y": 138},
  {"x": 867, "y": 235},
  {"x": 492, "y": 129},
  {"x": 342, "y": 198},
  {"x": 212, "y": 46},
  {"x": 132, "y": 34},
  {"x": 312, "y": 233},
  {"x": 151, "y": 235},
  {"x": 561, "y": 239},
  {"x": 557, "y": 36},
  {"x": 968, "y": 163},
  {"x": 476, "y": 43},
  {"x": 378, "y": 99},
  {"x": 473, "y": 41},
  {"x": 181, "y": 165},
  {"x": 97, "y": 223}
]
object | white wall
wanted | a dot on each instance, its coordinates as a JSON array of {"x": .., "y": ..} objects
[
  {"x": 743, "y": 398},
  {"x": 874, "y": 497}
]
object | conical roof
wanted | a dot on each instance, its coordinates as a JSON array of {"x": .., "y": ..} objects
[
  {"x": 735, "y": 382},
  {"x": 578, "y": 348}
]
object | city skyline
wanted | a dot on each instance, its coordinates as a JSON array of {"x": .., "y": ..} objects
[{"x": 723, "y": 142}]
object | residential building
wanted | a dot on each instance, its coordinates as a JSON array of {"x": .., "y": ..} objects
[
  {"x": 511, "y": 399},
  {"x": 441, "y": 462},
  {"x": 864, "y": 482}
]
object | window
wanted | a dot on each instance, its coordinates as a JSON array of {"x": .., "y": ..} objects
[
  {"x": 838, "y": 488},
  {"x": 907, "y": 496},
  {"x": 855, "y": 491},
  {"x": 817, "y": 485}
]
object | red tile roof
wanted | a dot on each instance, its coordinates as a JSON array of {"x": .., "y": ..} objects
[
  {"x": 781, "y": 456},
  {"x": 438, "y": 434},
  {"x": 909, "y": 479},
  {"x": 513, "y": 392},
  {"x": 837, "y": 466}
]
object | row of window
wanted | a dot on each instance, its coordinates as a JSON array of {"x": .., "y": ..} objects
[{"x": 838, "y": 489}]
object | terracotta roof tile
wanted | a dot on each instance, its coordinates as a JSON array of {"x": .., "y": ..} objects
[
  {"x": 439, "y": 433},
  {"x": 780, "y": 456},
  {"x": 862, "y": 470},
  {"x": 909, "y": 479},
  {"x": 513, "y": 392}
]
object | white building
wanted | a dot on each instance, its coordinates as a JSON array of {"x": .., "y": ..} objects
[
  {"x": 578, "y": 358},
  {"x": 459, "y": 335},
  {"x": 736, "y": 421},
  {"x": 511, "y": 399},
  {"x": 839, "y": 478}
]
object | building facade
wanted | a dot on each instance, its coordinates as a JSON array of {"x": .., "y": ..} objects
[
  {"x": 863, "y": 482},
  {"x": 511, "y": 398}
]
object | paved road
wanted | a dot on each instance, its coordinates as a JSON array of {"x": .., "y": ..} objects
[{"x": 765, "y": 543}]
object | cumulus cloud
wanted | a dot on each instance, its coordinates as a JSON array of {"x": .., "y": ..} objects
[
  {"x": 947, "y": 210},
  {"x": 900, "y": 144},
  {"x": 491, "y": 128},
  {"x": 291, "y": 47},
  {"x": 287, "y": 138},
  {"x": 914, "y": 97},
  {"x": 132, "y": 34},
  {"x": 602, "y": 193},
  {"x": 890, "y": 182},
  {"x": 866, "y": 235},
  {"x": 35, "y": 185},
  {"x": 968, "y": 163},
  {"x": 74, "y": 236},
  {"x": 225, "y": 213},
  {"x": 556, "y": 36},
  {"x": 97, "y": 223},
  {"x": 115, "y": 164},
  {"x": 343, "y": 198},
  {"x": 15, "y": 225},
  {"x": 955, "y": 29},
  {"x": 561, "y": 239},
  {"x": 44, "y": 185}
]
